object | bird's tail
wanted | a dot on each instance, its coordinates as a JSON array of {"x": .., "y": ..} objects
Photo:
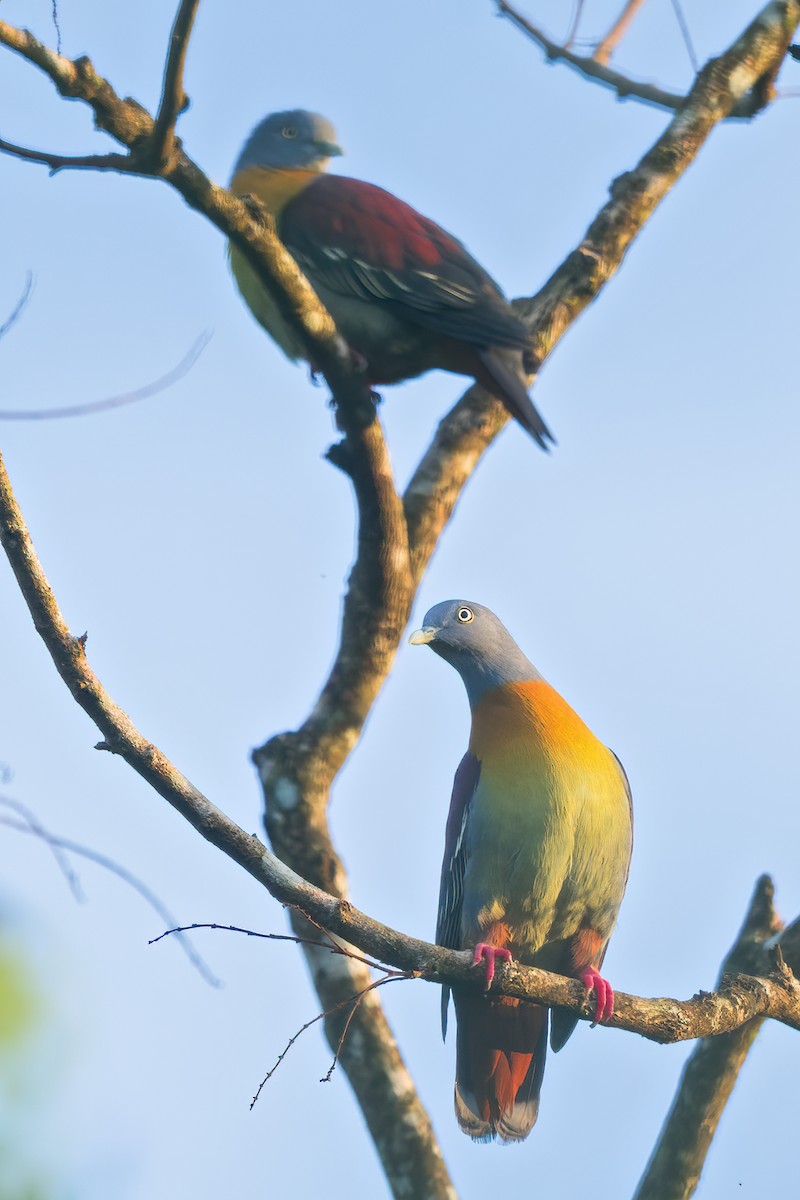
[
  {"x": 500, "y": 1055},
  {"x": 502, "y": 380}
]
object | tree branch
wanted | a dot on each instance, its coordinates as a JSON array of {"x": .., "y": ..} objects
[
  {"x": 19, "y": 307},
  {"x": 748, "y": 103},
  {"x": 58, "y": 162},
  {"x": 394, "y": 546},
  {"x": 173, "y": 97},
  {"x": 685, "y": 34},
  {"x": 738, "y": 999},
  {"x": 246, "y": 223},
  {"x": 606, "y": 47},
  {"x": 62, "y": 847},
  {"x": 713, "y": 1067},
  {"x": 90, "y": 407},
  {"x": 590, "y": 65}
]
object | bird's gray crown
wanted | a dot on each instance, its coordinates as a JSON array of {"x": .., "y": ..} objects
[
  {"x": 287, "y": 140},
  {"x": 474, "y": 641}
]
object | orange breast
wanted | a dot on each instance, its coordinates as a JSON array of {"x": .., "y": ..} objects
[{"x": 513, "y": 718}]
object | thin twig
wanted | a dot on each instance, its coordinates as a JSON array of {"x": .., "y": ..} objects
[
  {"x": 394, "y": 977},
  {"x": 19, "y": 307},
  {"x": 606, "y": 47},
  {"x": 35, "y": 826},
  {"x": 56, "y": 24},
  {"x": 95, "y": 406},
  {"x": 633, "y": 200},
  {"x": 60, "y": 162},
  {"x": 738, "y": 1000},
  {"x": 623, "y": 85},
  {"x": 572, "y": 33},
  {"x": 173, "y": 98},
  {"x": 307, "y": 769},
  {"x": 108, "y": 864},
  {"x": 330, "y": 945},
  {"x": 685, "y": 34},
  {"x": 355, "y": 1000},
  {"x": 247, "y": 224}
]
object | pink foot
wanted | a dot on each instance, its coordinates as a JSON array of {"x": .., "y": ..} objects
[
  {"x": 488, "y": 954},
  {"x": 604, "y": 994}
]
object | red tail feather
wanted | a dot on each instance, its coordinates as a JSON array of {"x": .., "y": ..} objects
[{"x": 500, "y": 1059}]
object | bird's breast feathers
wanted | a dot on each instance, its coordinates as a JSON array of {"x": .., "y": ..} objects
[
  {"x": 550, "y": 823},
  {"x": 275, "y": 189}
]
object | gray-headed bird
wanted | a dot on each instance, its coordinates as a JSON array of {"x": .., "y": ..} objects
[
  {"x": 536, "y": 859},
  {"x": 405, "y": 295}
]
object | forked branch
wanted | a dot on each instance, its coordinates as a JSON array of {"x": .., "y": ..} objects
[
  {"x": 739, "y": 999},
  {"x": 394, "y": 546},
  {"x": 595, "y": 66}
]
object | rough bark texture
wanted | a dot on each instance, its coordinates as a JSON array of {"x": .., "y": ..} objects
[
  {"x": 395, "y": 541},
  {"x": 774, "y": 992},
  {"x": 673, "y": 1172}
]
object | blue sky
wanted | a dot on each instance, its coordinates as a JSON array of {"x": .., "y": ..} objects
[{"x": 648, "y": 567}]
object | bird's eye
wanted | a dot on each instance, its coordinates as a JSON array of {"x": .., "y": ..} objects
[
  {"x": 289, "y": 131},
  {"x": 465, "y": 615}
]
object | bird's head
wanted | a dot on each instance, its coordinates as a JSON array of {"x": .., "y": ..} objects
[
  {"x": 286, "y": 141},
  {"x": 476, "y": 642}
]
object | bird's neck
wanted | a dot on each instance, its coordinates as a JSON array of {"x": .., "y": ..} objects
[
  {"x": 274, "y": 188},
  {"x": 481, "y": 673}
]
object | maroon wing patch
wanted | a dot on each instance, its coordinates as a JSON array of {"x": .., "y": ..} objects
[{"x": 361, "y": 241}]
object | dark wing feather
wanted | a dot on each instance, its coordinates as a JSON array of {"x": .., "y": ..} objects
[
  {"x": 363, "y": 242},
  {"x": 454, "y": 863}
]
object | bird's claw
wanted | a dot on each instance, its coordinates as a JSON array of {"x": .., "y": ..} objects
[
  {"x": 592, "y": 980},
  {"x": 486, "y": 954}
]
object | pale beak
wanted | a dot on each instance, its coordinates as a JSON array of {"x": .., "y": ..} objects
[
  {"x": 329, "y": 149},
  {"x": 421, "y": 637}
]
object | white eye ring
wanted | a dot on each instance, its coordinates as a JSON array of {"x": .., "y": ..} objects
[
  {"x": 289, "y": 131},
  {"x": 465, "y": 615}
]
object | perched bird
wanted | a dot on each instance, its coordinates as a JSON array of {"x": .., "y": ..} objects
[
  {"x": 536, "y": 860},
  {"x": 405, "y": 295}
]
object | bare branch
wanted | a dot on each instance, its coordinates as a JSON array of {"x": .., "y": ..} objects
[
  {"x": 738, "y": 1000},
  {"x": 685, "y": 34},
  {"x": 779, "y": 15},
  {"x": 95, "y": 406},
  {"x": 330, "y": 944},
  {"x": 297, "y": 768},
  {"x": 606, "y": 47},
  {"x": 355, "y": 1001},
  {"x": 577, "y": 13},
  {"x": 35, "y": 827},
  {"x": 394, "y": 977},
  {"x": 56, "y": 23},
  {"x": 173, "y": 98},
  {"x": 590, "y": 65},
  {"x": 713, "y": 1067},
  {"x": 246, "y": 223},
  {"x": 61, "y": 845},
  {"x": 19, "y": 307},
  {"x": 58, "y": 162}
]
